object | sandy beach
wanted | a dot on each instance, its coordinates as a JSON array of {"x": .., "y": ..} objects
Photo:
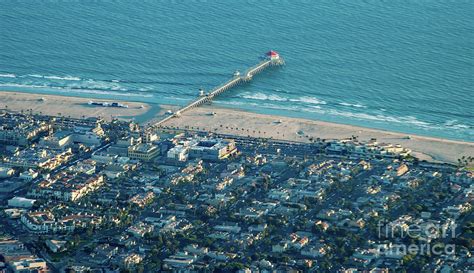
[
  {"x": 245, "y": 123},
  {"x": 69, "y": 106},
  {"x": 238, "y": 122}
]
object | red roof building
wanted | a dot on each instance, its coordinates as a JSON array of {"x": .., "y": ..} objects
[{"x": 273, "y": 54}]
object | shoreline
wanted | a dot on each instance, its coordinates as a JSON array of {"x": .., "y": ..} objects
[{"x": 238, "y": 122}]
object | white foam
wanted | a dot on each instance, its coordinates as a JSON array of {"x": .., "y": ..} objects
[
  {"x": 93, "y": 84},
  {"x": 35, "y": 76},
  {"x": 384, "y": 118},
  {"x": 406, "y": 120},
  {"x": 265, "y": 97},
  {"x": 262, "y": 96},
  {"x": 454, "y": 124},
  {"x": 356, "y": 105},
  {"x": 24, "y": 85},
  {"x": 309, "y": 100},
  {"x": 8, "y": 75},
  {"x": 65, "y": 78},
  {"x": 53, "y": 77},
  {"x": 77, "y": 90}
]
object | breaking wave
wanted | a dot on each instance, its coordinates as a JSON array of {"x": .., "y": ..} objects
[
  {"x": 309, "y": 100},
  {"x": 376, "y": 118},
  {"x": 7, "y": 75},
  {"x": 356, "y": 105},
  {"x": 454, "y": 124},
  {"x": 261, "y": 96},
  {"x": 78, "y": 90},
  {"x": 265, "y": 97}
]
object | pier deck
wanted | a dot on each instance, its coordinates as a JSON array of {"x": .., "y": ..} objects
[{"x": 272, "y": 59}]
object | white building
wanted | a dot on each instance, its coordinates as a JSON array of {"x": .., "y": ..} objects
[
  {"x": 179, "y": 153},
  {"x": 20, "y": 202}
]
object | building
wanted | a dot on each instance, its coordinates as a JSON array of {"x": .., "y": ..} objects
[
  {"x": 56, "y": 246},
  {"x": 212, "y": 149},
  {"x": 28, "y": 175},
  {"x": 90, "y": 135},
  {"x": 69, "y": 186},
  {"x": 29, "y": 265},
  {"x": 121, "y": 146},
  {"x": 6, "y": 172},
  {"x": 45, "y": 222},
  {"x": 20, "y": 130},
  {"x": 131, "y": 260},
  {"x": 13, "y": 250},
  {"x": 86, "y": 166},
  {"x": 58, "y": 140},
  {"x": 178, "y": 153},
  {"x": 103, "y": 157},
  {"x": 20, "y": 202},
  {"x": 141, "y": 199},
  {"x": 140, "y": 229},
  {"x": 39, "y": 221},
  {"x": 180, "y": 260},
  {"x": 273, "y": 55},
  {"x": 34, "y": 158},
  {"x": 143, "y": 151}
]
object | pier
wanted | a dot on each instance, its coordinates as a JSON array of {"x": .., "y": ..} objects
[{"x": 272, "y": 58}]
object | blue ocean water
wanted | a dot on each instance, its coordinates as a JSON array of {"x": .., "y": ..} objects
[{"x": 397, "y": 65}]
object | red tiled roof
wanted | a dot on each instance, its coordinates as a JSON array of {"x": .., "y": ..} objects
[{"x": 272, "y": 53}]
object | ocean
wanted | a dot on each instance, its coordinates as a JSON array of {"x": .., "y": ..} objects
[{"x": 405, "y": 66}]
